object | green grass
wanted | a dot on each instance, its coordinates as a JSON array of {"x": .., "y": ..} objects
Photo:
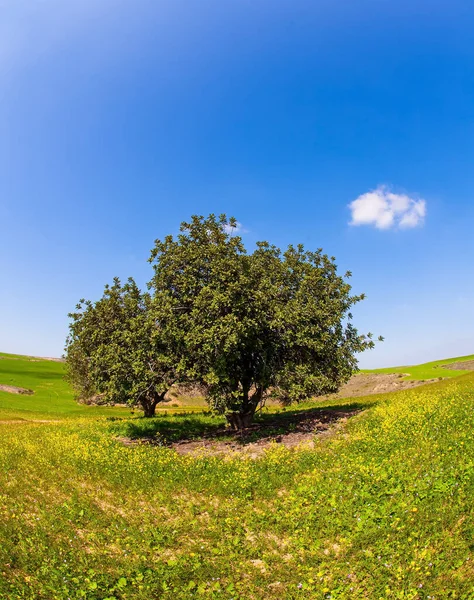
[
  {"x": 429, "y": 370},
  {"x": 52, "y": 398},
  {"x": 382, "y": 508}
]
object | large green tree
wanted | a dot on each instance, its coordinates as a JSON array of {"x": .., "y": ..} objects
[
  {"x": 254, "y": 325},
  {"x": 117, "y": 348}
]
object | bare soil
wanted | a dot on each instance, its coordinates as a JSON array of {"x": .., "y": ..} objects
[
  {"x": 296, "y": 429},
  {"x": 12, "y": 389},
  {"x": 467, "y": 365},
  {"x": 362, "y": 384},
  {"x": 299, "y": 428},
  {"x": 292, "y": 428},
  {"x": 365, "y": 384}
]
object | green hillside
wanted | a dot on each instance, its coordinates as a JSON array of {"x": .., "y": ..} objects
[
  {"x": 52, "y": 396},
  {"x": 430, "y": 370},
  {"x": 380, "y": 507}
]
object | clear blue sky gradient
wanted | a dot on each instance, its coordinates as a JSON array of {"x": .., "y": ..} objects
[{"x": 120, "y": 119}]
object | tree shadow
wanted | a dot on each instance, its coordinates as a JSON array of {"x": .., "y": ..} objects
[
  {"x": 166, "y": 430},
  {"x": 298, "y": 421}
]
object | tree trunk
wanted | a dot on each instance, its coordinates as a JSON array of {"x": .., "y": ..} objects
[
  {"x": 149, "y": 403},
  {"x": 243, "y": 418},
  {"x": 149, "y": 409},
  {"x": 238, "y": 420}
]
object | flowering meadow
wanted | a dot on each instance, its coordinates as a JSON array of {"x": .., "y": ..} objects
[{"x": 381, "y": 507}]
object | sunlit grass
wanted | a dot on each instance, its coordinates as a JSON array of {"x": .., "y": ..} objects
[
  {"x": 53, "y": 397},
  {"x": 429, "y": 370},
  {"x": 382, "y": 508}
]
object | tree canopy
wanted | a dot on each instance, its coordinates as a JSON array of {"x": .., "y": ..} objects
[
  {"x": 117, "y": 349},
  {"x": 244, "y": 325},
  {"x": 254, "y": 325}
]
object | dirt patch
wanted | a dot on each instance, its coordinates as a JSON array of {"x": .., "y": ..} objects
[
  {"x": 297, "y": 429},
  {"x": 12, "y": 389},
  {"x": 467, "y": 365},
  {"x": 290, "y": 428},
  {"x": 365, "y": 384},
  {"x": 362, "y": 384}
]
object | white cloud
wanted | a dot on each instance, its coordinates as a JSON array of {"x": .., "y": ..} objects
[
  {"x": 386, "y": 210},
  {"x": 237, "y": 229}
]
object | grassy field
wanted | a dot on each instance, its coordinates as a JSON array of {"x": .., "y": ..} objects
[
  {"x": 429, "y": 370},
  {"x": 52, "y": 398},
  {"x": 380, "y": 508}
]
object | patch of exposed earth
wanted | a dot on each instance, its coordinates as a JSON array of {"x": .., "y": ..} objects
[
  {"x": 466, "y": 365},
  {"x": 297, "y": 430},
  {"x": 290, "y": 429},
  {"x": 362, "y": 384},
  {"x": 366, "y": 384},
  {"x": 293, "y": 429},
  {"x": 12, "y": 389},
  {"x": 300, "y": 427}
]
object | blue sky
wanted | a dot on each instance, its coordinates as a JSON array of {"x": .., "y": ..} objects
[{"x": 119, "y": 119}]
